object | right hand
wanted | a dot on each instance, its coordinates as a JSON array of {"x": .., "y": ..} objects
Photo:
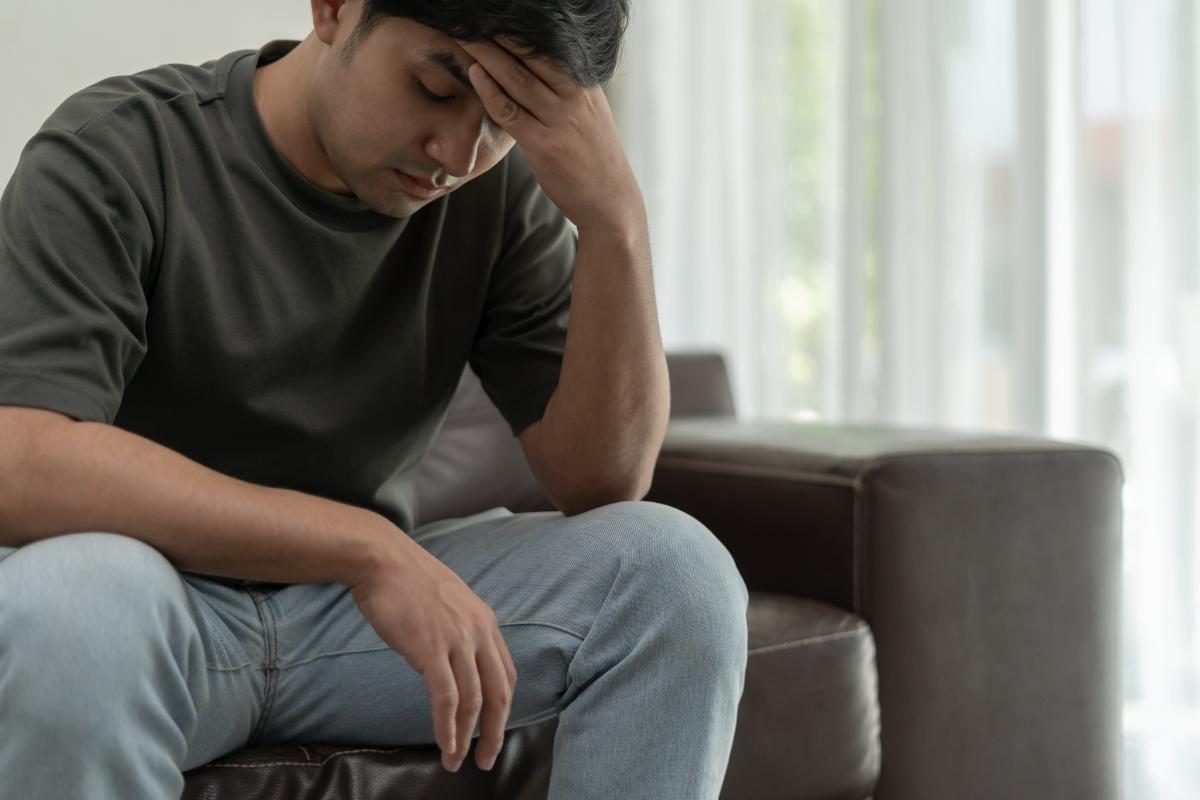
[{"x": 427, "y": 614}]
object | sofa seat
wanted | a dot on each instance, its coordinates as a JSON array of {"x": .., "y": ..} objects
[{"x": 808, "y": 727}]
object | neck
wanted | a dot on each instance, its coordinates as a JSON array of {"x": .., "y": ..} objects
[{"x": 281, "y": 94}]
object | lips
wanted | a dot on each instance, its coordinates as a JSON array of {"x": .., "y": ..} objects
[
  {"x": 424, "y": 184},
  {"x": 416, "y": 186}
]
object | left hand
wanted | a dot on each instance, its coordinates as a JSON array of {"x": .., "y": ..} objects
[{"x": 567, "y": 132}]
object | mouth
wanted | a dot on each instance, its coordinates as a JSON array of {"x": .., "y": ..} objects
[{"x": 414, "y": 187}]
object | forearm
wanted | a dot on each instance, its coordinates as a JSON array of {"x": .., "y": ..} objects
[
  {"x": 84, "y": 476},
  {"x": 608, "y": 416}
]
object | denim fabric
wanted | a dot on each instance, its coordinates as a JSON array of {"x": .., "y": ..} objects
[{"x": 627, "y": 622}]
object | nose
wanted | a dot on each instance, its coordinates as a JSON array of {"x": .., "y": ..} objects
[{"x": 456, "y": 147}]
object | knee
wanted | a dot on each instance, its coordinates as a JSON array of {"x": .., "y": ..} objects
[
  {"x": 87, "y": 601},
  {"x": 87, "y": 568},
  {"x": 87, "y": 621},
  {"x": 691, "y": 573}
]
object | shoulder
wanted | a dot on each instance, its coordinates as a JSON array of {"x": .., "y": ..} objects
[
  {"x": 133, "y": 104},
  {"x": 125, "y": 130}
]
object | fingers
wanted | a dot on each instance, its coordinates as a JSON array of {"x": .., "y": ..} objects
[
  {"x": 506, "y": 79},
  {"x": 496, "y": 708},
  {"x": 443, "y": 694},
  {"x": 467, "y": 690},
  {"x": 470, "y": 702},
  {"x": 549, "y": 73},
  {"x": 499, "y": 106}
]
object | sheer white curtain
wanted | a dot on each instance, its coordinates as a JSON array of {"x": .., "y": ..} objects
[
  {"x": 967, "y": 213},
  {"x": 687, "y": 127}
]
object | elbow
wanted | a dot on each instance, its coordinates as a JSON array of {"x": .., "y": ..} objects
[
  {"x": 9, "y": 500},
  {"x": 586, "y": 495}
]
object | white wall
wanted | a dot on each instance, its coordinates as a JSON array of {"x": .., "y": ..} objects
[{"x": 52, "y": 48}]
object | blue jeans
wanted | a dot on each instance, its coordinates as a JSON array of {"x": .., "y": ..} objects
[{"x": 627, "y": 622}]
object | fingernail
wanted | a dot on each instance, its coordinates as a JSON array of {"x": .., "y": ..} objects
[{"x": 491, "y": 762}]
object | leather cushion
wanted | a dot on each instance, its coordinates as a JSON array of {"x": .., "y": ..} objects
[{"x": 808, "y": 723}]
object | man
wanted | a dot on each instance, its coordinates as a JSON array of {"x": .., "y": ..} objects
[{"x": 235, "y": 302}]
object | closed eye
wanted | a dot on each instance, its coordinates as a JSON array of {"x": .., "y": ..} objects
[{"x": 437, "y": 98}]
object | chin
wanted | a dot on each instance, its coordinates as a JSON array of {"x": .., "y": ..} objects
[
  {"x": 389, "y": 203},
  {"x": 400, "y": 208}
]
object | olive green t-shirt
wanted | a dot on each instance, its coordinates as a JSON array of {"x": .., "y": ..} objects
[{"x": 164, "y": 269}]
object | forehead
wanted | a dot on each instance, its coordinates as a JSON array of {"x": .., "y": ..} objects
[{"x": 425, "y": 47}]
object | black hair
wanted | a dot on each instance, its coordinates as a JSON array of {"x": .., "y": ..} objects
[{"x": 583, "y": 37}]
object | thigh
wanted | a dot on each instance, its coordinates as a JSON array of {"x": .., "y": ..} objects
[
  {"x": 545, "y": 575},
  {"x": 122, "y": 622}
]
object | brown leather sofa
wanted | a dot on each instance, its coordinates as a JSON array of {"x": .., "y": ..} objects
[{"x": 934, "y": 614}]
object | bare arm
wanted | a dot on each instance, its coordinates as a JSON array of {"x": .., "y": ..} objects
[
  {"x": 601, "y": 433},
  {"x": 602, "y": 430},
  {"x": 59, "y": 476}
]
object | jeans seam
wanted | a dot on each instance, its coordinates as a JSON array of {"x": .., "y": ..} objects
[
  {"x": 238, "y": 668},
  {"x": 521, "y": 723},
  {"x": 311, "y": 659},
  {"x": 554, "y": 625},
  {"x": 270, "y": 686},
  {"x": 281, "y": 667},
  {"x": 620, "y": 555}
]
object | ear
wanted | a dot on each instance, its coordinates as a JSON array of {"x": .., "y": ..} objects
[{"x": 331, "y": 15}]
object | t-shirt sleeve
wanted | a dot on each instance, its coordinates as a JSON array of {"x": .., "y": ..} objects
[
  {"x": 518, "y": 349},
  {"x": 76, "y": 247}
]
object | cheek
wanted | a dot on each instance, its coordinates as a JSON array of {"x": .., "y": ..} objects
[
  {"x": 354, "y": 122},
  {"x": 372, "y": 121}
]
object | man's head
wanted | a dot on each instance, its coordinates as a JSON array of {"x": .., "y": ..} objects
[
  {"x": 389, "y": 91},
  {"x": 582, "y": 36}
]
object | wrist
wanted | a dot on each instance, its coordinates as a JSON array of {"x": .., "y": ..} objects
[
  {"x": 626, "y": 222},
  {"x": 376, "y": 544},
  {"x": 628, "y": 235}
]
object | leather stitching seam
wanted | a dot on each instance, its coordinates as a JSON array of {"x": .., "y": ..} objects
[{"x": 829, "y": 637}]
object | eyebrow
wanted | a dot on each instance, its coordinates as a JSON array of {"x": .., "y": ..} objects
[{"x": 447, "y": 60}]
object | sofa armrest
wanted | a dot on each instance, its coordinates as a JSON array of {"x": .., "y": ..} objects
[{"x": 987, "y": 566}]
